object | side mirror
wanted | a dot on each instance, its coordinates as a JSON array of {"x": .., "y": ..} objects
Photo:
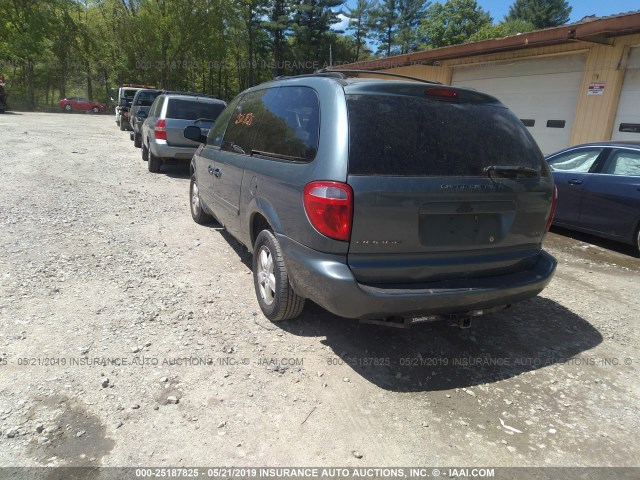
[{"x": 194, "y": 133}]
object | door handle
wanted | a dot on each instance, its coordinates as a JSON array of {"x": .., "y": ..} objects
[{"x": 575, "y": 182}]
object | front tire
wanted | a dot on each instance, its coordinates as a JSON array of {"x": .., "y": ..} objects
[
  {"x": 277, "y": 299},
  {"x": 638, "y": 241},
  {"x": 154, "y": 163},
  {"x": 197, "y": 212},
  {"x": 68, "y": 107},
  {"x": 137, "y": 141}
]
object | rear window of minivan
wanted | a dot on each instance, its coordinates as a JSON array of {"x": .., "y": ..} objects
[
  {"x": 145, "y": 99},
  {"x": 413, "y": 136},
  {"x": 193, "y": 109}
]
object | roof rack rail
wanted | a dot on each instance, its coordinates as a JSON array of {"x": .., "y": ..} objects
[
  {"x": 344, "y": 74},
  {"x": 191, "y": 94},
  {"x": 318, "y": 73},
  {"x": 347, "y": 73}
]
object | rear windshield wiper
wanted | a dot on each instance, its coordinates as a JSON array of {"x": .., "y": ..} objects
[{"x": 510, "y": 171}]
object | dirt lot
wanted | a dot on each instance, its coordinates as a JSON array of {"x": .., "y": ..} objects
[{"x": 114, "y": 305}]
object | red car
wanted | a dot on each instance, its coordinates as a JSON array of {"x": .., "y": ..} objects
[{"x": 77, "y": 103}]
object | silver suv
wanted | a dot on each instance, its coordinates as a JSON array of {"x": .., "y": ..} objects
[
  {"x": 389, "y": 200},
  {"x": 162, "y": 132}
]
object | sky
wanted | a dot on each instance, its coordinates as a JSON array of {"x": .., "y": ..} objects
[{"x": 579, "y": 8}]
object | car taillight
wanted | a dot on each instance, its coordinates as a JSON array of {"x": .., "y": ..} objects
[
  {"x": 160, "y": 130},
  {"x": 329, "y": 206},
  {"x": 554, "y": 202}
]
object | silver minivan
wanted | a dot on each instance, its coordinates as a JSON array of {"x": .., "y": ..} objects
[{"x": 162, "y": 132}]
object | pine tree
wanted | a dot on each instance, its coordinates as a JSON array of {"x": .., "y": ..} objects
[
  {"x": 411, "y": 14},
  {"x": 359, "y": 25},
  {"x": 453, "y": 23},
  {"x": 278, "y": 24},
  {"x": 540, "y": 13},
  {"x": 312, "y": 20}
]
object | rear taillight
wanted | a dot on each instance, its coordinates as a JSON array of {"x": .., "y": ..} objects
[
  {"x": 160, "y": 130},
  {"x": 552, "y": 212},
  {"x": 329, "y": 206}
]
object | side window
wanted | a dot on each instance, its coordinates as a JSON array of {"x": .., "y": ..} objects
[
  {"x": 289, "y": 125},
  {"x": 241, "y": 130},
  {"x": 216, "y": 134},
  {"x": 575, "y": 161},
  {"x": 623, "y": 163},
  {"x": 156, "y": 107}
]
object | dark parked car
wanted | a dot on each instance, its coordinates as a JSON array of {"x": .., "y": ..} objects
[
  {"x": 599, "y": 189},
  {"x": 139, "y": 110},
  {"x": 83, "y": 104},
  {"x": 387, "y": 200},
  {"x": 162, "y": 131}
]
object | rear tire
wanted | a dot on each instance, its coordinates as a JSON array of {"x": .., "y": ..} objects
[
  {"x": 68, "y": 107},
  {"x": 154, "y": 163},
  {"x": 197, "y": 212},
  {"x": 277, "y": 299},
  {"x": 137, "y": 141},
  {"x": 95, "y": 110}
]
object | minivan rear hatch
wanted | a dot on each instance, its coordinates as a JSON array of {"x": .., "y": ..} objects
[
  {"x": 447, "y": 184},
  {"x": 182, "y": 112}
]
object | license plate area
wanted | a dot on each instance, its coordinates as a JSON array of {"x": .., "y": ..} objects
[{"x": 458, "y": 224}]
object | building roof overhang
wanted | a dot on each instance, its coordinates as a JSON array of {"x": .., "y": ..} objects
[{"x": 601, "y": 30}]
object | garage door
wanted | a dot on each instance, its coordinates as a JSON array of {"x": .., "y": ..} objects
[
  {"x": 627, "y": 123},
  {"x": 542, "y": 92}
]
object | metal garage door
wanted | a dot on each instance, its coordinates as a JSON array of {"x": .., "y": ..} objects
[
  {"x": 542, "y": 92},
  {"x": 627, "y": 123}
]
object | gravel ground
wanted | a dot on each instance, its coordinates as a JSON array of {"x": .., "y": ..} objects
[{"x": 130, "y": 336}]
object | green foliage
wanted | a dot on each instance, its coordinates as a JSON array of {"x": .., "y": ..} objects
[
  {"x": 359, "y": 25},
  {"x": 504, "y": 29},
  {"x": 384, "y": 20},
  {"x": 312, "y": 38},
  {"x": 540, "y": 13},
  {"x": 453, "y": 22},
  {"x": 411, "y": 13},
  {"x": 394, "y": 24}
]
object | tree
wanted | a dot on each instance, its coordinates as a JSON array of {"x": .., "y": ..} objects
[
  {"x": 453, "y": 23},
  {"x": 383, "y": 22},
  {"x": 278, "y": 23},
  {"x": 359, "y": 25},
  {"x": 503, "y": 29},
  {"x": 540, "y": 13},
  {"x": 411, "y": 13},
  {"x": 312, "y": 34},
  {"x": 251, "y": 11},
  {"x": 26, "y": 28}
]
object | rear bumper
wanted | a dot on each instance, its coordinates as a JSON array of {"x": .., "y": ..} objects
[
  {"x": 160, "y": 149},
  {"x": 327, "y": 280}
]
